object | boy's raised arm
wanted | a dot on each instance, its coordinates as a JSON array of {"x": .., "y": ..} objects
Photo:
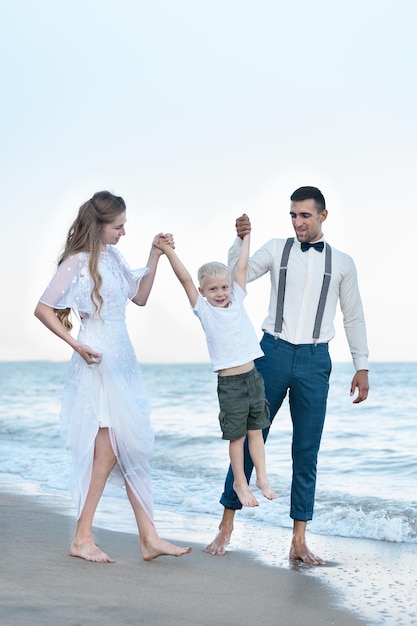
[
  {"x": 180, "y": 271},
  {"x": 242, "y": 263}
]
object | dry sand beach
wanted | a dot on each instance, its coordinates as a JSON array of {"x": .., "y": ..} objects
[{"x": 42, "y": 586}]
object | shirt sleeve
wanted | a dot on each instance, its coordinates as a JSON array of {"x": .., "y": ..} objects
[
  {"x": 259, "y": 263},
  {"x": 198, "y": 309},
  {"x": 238, "y": 293},
  {"x": 353, "y": 317}
]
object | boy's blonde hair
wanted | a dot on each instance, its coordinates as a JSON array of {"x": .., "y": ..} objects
[{"x": 213, "y": 270}]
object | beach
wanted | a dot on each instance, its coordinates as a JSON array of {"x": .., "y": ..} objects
[
  {"x": 364, "y": 521},
  {"x": 43, "y": 586}
]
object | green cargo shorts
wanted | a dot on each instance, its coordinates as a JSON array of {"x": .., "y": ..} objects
[{"x": 243, "y": 405}]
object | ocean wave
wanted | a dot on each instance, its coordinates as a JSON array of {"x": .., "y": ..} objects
[{"x": 380, "y": 520}]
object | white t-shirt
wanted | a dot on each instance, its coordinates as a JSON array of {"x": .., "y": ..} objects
[{"x": 231, "y": 337}]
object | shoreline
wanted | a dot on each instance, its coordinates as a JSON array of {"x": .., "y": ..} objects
[{"x": 42, "y": 585}]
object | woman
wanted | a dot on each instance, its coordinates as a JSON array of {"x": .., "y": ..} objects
[{"x": 105, "y": 409}]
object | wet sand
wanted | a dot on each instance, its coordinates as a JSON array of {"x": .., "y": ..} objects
[{"x": 42, "y": 585}]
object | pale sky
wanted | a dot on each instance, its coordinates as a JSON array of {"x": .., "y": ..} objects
[{"x": 196, "y": 111}]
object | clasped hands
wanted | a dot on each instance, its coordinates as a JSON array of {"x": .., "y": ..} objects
[
  {"x": 163, "y": 239},
  {"x": 243, "y": 226}
]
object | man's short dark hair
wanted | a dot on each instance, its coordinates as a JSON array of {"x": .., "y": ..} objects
[{"x": 309, "y": 193}]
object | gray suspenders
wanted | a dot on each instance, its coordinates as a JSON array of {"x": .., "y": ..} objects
[
  {"x": 281, "y": 285},
  {"x": 323, "y": 295},
  {"x": 281, "y": 289}
]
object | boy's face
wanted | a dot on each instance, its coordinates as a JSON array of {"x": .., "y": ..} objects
[{"x": 217, "y": 291}]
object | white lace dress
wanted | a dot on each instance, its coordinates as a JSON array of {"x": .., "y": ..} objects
[{"x": 110, "y": 393}]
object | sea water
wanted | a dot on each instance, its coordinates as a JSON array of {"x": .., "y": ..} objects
[{"x": 367, "y": 471}]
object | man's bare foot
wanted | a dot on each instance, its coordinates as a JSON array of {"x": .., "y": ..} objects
[
  {"x": 218, "y": 546},
  {"x": 266, "y": 489},
  {"x": 245, "y": 495},
  {"x": 90, "y": 552},
  {"x": 162, "y": 548},
  {"x": 299, "y": 551}
]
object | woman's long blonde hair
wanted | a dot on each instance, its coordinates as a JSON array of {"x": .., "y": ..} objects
[{"x": 84, "y": 236}]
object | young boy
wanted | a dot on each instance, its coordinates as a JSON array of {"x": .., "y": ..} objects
[{"x": 233, "y": 346}]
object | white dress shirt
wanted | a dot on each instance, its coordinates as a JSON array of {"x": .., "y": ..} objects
[{"x": 303, "y": 286}]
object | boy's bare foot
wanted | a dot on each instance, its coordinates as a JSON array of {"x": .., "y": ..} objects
[
  {"x": 300, "y": 552},
  {"x": 162, "y": 548},
  {"x": 90, "y": 552},
  {"x": 266, "y": 489},
  {"x": 245, "y": 495}
]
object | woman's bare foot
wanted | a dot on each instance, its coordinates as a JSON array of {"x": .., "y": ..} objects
[
  {"x": 299, "y": 551},
  {"x": 245, "y": 495},
  {"x": 162, "y": 548},
  {"x": 266, "y": 489},
  {"x": 90, "y": 552}
]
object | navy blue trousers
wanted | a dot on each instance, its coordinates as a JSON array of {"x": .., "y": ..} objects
[{"x": 302, "y": 371}]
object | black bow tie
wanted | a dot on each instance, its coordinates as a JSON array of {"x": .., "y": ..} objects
[{"x": 318, "y": 246}]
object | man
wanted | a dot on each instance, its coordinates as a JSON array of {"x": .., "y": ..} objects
[{"x": 308, "y": 277}]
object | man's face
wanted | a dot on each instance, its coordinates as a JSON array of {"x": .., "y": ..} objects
[{"x": 307, "y": 220}]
